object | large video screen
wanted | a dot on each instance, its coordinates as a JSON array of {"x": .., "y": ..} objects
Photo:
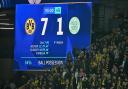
[{"x": 46, "y": 33}]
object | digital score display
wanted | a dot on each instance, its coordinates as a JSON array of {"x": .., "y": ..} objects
[{"x": 46, "y": 33}]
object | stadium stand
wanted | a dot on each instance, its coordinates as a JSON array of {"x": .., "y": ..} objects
[{"x": 104, "y": 67}]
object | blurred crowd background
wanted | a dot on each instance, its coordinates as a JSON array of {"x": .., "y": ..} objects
[{"x": 105, "y": 66}]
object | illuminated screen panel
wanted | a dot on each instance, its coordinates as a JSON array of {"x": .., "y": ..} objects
[{"x": 46, "y": 33}]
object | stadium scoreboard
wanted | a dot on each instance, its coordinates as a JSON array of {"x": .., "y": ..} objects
[{"x": 46, "y": 33}]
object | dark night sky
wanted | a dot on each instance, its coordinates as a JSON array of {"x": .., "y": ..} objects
[{"x": 12, "y": 3}]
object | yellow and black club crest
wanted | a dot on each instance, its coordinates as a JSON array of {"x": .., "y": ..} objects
[{"x": 30, "y": 26}]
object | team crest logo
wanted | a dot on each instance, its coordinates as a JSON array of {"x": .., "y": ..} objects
[
  {"x": 34, "y": 1},
  {"x": 74, "y": 25},
  {"x": 30, "y": 26}
]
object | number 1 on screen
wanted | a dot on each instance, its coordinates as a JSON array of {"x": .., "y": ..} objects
[{"x": 60, "y": 32}]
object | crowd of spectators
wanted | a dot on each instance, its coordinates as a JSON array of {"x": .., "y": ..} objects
[{"x": 105, "y": 66}]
